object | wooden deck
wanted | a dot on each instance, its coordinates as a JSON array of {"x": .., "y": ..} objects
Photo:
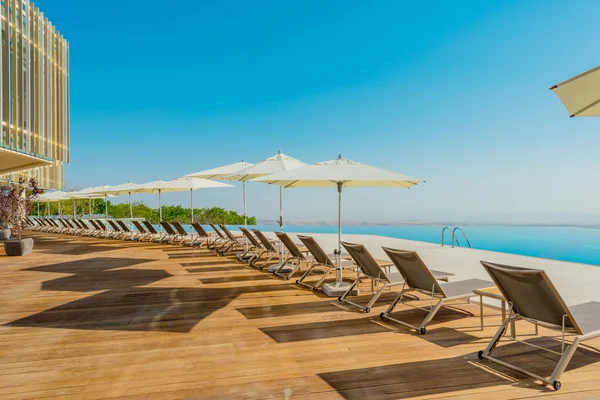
[{"x": 91, "y": 319}]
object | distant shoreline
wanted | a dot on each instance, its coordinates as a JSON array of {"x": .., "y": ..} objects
[{"x": 439, "y": 224}]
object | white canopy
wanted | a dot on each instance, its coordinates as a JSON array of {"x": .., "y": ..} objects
[
  {"x": 54, "y": 196},
  {"x": 220, "y": 172},
  {"x": 339, "y": 173},
  {"x": 177, "y": 185},
  {"x": 581, "y": 94},
  {"x": 348, "y": 173},
  {"x": 277, "y": 163},
  {"x": 124, "y": 188},
  {"x": 223, "y": 173}
]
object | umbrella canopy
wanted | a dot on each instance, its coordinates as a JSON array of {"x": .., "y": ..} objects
[
  {"x": 223, "y": 173},
  {"x": 220, "y": 172},
  {"x": 339, "y": 173},
  {"x": 581, "y": 94},
  {"x": 278, "y": 163},
  {"x": 54, "y": 196},
  {"x": 195, "y": 184},
  {"x": 89, "y": 193},
  {"x": 124, "y": 188}
]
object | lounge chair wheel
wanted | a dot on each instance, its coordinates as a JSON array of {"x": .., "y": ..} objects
[
  {"x": 287, "y": 278},
  {"x": 297, "y": 281},
  {"x": 423, "y": 330},
  {"x": 382, "y": 316},
  {"x": 480, "y": 355},
  {"x": 340, "y": 298},
  {"x": 367, "y": 309},
  {"x": 315, "y": 289},
  {"x": 556, "y": 385}
]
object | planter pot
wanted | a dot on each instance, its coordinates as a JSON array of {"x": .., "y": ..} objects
[
  {"x": 16, "y": 247},
  {"x": 4, "y": 234}
]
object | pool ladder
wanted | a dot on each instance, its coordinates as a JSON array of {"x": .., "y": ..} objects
[{"x": 454, "y": 238}]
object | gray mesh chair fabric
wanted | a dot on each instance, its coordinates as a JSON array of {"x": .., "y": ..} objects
[
  {"x": 252, "y": 252},
  {"x": 202, "y": 236},
  {"x": 271, "y": 250},
  {"x": 321, "y": 260},
  {"x": 293, "y": 260},
  {"x": 379, "y": 273},
  {"x": 418, "y": 278},
  {"x": 533, "y": 298},
  {"x": 182, "y": 235},
  {"x": 154, "y": 235},
  {"x": 231, "y": 243}
]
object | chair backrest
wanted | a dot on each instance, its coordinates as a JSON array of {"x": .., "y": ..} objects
[
  {"x": 316, "y": 250},
  {"x": 124, "y": 227},
  {"x": 532, "y": 294},
  {"x": 113, "y": 225},
  {"x": 250, "y": 237},
  {"x": 150, "y": 227},
  {"x": 83, "y": 224},
  {"x": 290, "y": 245},
  {"x": 139, "y": 226},
  {"x": 365, "y": 261},
  {"x": 63, "y": 223},
  {"x": 264, "y": 240},
  {"x": 414, "y": 271},
  {"x": 217, "y": 231},
  {"x": 180, "y": 229},
  {"x": 52, "y": 222},
  {"x": 76, "y": 223},
  {"x": 168, "y": 228},
  {"x": 199, "y": 229},
  {"x": 95, "y": 225},
  {"x": 227, "y": 232},
  {"x": 101, "y": 225}
]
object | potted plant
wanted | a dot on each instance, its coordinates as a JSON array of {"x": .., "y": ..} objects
[{"x": 16, "y": 201}]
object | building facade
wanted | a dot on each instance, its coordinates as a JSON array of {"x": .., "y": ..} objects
[{"x": 34, "y": 96}]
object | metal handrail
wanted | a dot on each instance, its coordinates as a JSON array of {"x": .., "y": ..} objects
[
  {"x": 443, "y": 231},
  {"x": 460, "y": 229}
]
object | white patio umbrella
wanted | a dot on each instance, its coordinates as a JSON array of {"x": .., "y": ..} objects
[
  {"x": 89, "y": 194},
  {"x": 124, "y": 188},
  {"x": 57, "y": 196},
  {"x": 581, "y": 94},
  {"x": 339, "y": 173},
  {"x": 98, "y": 192},
  {"x": 277, "y": 163},
  {"x": 192, "y": 184},
  {"x": 221, "y": 173}
]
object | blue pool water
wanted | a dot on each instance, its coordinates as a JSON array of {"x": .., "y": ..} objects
[{"x": 573, "y": 244}]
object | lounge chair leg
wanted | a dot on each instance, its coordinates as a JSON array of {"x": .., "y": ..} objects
[
  {"x": 492, "y": 345},
  {"x": 564, "y": 360},
  {"x": 376, "y": 297},
  {"x": 429, "y": 317},
  {"x": 397, "y": 300}
]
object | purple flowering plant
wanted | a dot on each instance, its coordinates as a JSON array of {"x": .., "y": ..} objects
[{"x": 16, "y": 202}]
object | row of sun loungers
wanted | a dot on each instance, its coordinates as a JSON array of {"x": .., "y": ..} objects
[{"x": 529, "y": 292}]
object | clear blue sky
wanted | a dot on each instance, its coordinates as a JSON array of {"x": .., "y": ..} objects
[{"x": 452, "y": 92}]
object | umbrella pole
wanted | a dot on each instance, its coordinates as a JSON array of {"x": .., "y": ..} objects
[
  {"x": 159, "y": 207},
  {"x": 59, "y": 210},
  {"x": 38, "y": 209},
  {"x": 130, "y": 207},
  {"x": 48, "y": 208},
  {"x": 90, "y": 208},
  {"x": 105, "y": 207},
  {"x": 192, "y": 205},
  {"x": 245, "y": 219},
  {"x": 339, "y": 255},
  {"x": 244, "y": 194},
  {"x": 281, "y": 208}
]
